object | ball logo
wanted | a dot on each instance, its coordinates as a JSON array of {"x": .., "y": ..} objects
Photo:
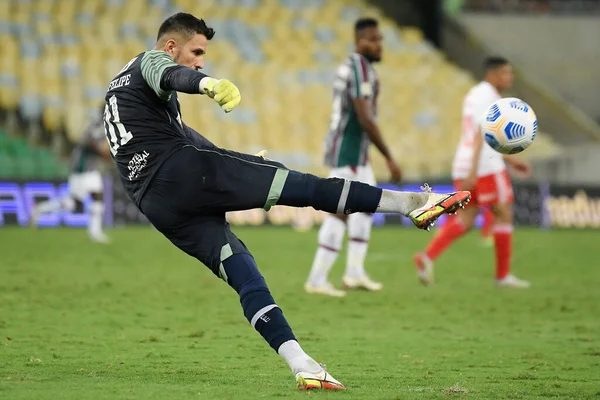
[
  {"x": 494, "y": 113},
  {"x": 514, "y": 131},
  {"x": 492, "y": 141},
  {"x": 534, "y": 130},
  {"x": 519, "y": 105}
]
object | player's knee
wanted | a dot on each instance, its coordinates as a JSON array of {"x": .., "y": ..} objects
[
  {"x": 277, "y": 164},
  {"x": 359, "y": 226},
  {"x": 503, "y": 213},
  {"x": 332, "y": 232},
  {"x": 242, "y": 274},
  {"x": 303, "y": 190},
  {"x": 467, "y": 217},
  {"x": 333, "y": 195}
]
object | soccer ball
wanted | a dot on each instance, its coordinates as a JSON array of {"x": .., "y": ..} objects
[{"x": 510, "y": 125}]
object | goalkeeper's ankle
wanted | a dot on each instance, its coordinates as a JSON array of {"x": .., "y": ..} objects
[{"x": 297, "y": 359}]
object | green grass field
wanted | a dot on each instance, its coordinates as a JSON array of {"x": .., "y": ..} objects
[{"x": 140, "y": 320}]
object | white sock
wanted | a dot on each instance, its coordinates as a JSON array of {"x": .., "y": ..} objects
[
  {"x": 401, "y": 202},
  {"x": 47, "y": 207},
  {"x": 359, "y": 232},
  {"x": 95, "y": 225},
  {"x": 331, "y": 235},
  {"x": 297, "y": 359}
]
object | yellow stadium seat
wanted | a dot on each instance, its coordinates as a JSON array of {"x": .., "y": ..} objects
[
  {"x": 93, "y": 7},
  {"x": 43, "y": 6},
  {"x": 188, "y": 5},
  {"x": 66, "y": 11},
  {"x": 75, "y": 121},
  {"x": 412, "y": 35},
  {"x": 52, "y": 118},
  {"x": 5, "y": 8}
]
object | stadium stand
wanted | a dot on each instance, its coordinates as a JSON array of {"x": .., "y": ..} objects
[
  {"x": 59, "y": 55},
  {"x": 20, "y": 161}
]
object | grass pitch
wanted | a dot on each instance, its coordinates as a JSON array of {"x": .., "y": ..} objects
[{"x": 138, "y": 319}]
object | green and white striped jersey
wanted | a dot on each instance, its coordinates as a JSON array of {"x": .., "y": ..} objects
[
  {"x": 85, "y": 158},
  {"x": 347, "y": 144}
]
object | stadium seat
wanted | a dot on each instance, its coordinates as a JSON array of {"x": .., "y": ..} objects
[{"x": 19, "y": 160}]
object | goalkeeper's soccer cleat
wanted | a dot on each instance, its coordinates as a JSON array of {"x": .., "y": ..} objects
[
  {"x": 438, "y": 204},
  {"x": 364, "y": 282},
  {"x": 322, "y": 380},
  {"x": 223, "y": 91}
]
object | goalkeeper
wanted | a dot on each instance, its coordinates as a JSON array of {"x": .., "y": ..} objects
[{"x": 185, "y": 185}]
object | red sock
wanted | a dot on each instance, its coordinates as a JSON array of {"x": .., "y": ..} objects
[
  {"x": 452, "y": 230},
  {"x": 503, "y": 244},
  {"x": 488, "y": 223}
]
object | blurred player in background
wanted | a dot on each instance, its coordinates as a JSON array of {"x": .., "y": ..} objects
[
  {"x": 353, "y": 128},
  {"x": 477, "y": 167},
  {"x": 185, "y": 185},
  {"x": 85, "y": 179}
]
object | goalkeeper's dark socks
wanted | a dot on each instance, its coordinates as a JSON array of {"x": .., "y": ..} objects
[
  {"x": 256, "y": 300},
  {"x": 333, "y": 195},
  {"x": 272, "y": 326}
]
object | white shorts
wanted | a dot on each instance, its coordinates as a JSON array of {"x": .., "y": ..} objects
[
  {"x": 80, "y": 185},
  {"x": 362, "y": 174}
]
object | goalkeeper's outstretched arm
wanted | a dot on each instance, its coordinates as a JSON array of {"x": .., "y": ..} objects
[{"x": 163, "y": 75}]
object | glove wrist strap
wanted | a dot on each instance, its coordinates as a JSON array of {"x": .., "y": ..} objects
[{"x": 206, "y": 85}]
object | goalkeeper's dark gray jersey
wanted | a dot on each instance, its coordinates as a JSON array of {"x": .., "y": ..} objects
[
  {"x": 85, "y": 157},
  {"x": 142, "y": 118}
]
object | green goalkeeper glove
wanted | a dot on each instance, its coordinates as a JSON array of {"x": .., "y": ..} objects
[{"x": 225, "y": 93}]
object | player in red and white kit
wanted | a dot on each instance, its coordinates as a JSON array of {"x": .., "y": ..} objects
[{"x": 483, "y": 171}]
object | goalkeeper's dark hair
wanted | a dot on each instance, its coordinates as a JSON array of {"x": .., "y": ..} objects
[
  {"x": 185, "y": 24},
  {"x": 494, "y": 62},
  {"x": 363, "y": 23}
]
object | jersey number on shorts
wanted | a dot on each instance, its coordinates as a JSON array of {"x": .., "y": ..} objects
[{"x": 115, "y": 131}]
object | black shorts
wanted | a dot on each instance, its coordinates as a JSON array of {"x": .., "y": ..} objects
[{"x": 194, "y": 188}]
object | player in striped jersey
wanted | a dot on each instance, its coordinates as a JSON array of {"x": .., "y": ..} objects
[
  {"x": 85, "y": 179},
  {"x": 353, "y": 127}
]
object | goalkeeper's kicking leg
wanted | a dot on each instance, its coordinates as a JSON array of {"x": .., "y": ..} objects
[
  {"x": 245, "y": 182},
  {"x": 340, "y": 196}
]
